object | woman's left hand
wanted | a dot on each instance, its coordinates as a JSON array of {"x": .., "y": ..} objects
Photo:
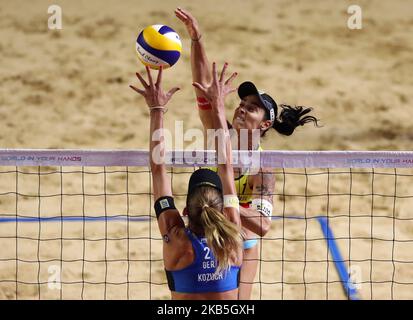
[
  {"x": 153, "y": 92},
  {"x": 218, "y": 89}
]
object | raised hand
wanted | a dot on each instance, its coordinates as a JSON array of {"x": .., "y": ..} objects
[
  {"x": 218, "y": 89},
  {"x": 153, "y": 92},
  {"x": 190, "y": 23}
]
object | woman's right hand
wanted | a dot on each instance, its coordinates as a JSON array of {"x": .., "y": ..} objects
[
  {"x": 153, "y": 93},
  {"x": 218, "y": 89},
  {"x": 190, "y": 23}
]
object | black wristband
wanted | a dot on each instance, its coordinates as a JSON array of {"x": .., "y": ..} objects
[{"x": 162, "y": 204}]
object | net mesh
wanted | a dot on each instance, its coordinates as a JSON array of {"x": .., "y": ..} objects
[{"x": 89, "y": 231}]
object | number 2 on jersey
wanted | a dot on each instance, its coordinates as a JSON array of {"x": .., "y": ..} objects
[{"x": 207, "y": 256}]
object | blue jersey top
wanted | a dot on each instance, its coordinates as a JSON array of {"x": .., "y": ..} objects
[{"x": 200, "y": 276}]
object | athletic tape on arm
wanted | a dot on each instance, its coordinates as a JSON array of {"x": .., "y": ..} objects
[
  {"x": 231, "y": 201},
  {"x": 263, "y": 206},
  {"x": 203, "y": 103}
]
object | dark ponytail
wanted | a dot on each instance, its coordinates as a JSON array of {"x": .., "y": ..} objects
[{"x": 292, "y": 117}]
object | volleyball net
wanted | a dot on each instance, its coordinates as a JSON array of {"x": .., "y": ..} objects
[{"x": 77, "y": 224}]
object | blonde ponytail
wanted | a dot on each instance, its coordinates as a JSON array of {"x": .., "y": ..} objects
[{"x": 223, "y": 237}]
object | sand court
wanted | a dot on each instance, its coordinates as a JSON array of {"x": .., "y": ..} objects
[{"x": 68, "y": 89}]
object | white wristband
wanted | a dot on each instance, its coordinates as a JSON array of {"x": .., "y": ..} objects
[
  {"x": 263, "y": 206},
  {"x": 231, "y": 201}
]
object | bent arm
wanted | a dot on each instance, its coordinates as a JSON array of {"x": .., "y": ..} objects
[
  {"x": 263, "y": 189},
  {"x": 254, "y": 221}
]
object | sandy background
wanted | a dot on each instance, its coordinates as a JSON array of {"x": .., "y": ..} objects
[{"x": 69, "y": 89}]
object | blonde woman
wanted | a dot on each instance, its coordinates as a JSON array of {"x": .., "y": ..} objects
[{"x": 202, "y": 260}]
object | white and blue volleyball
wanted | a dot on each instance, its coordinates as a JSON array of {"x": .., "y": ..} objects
[{"x": 158, "y": 45}]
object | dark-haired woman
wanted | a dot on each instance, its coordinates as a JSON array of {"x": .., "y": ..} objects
[{"x": 256, "y": 110}]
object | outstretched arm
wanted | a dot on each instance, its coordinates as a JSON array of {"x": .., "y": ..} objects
[
  {"x": 216, "y": 93},
  {"x": 259, "y": 221},
  {"x": 201, "y": 72},
  {"x": 156, "y": 100}
]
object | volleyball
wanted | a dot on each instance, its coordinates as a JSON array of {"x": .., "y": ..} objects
[{"x": 158, "y": 45}]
